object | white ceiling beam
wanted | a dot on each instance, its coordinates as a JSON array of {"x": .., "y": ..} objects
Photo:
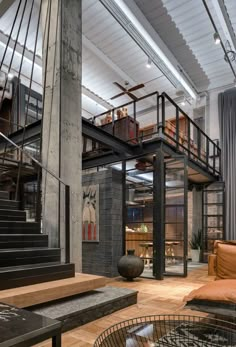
[
  {"x": 19, "y": 49},
  {"x": 222, "y": 14},
  {"x": 96, "y": 98},
  {"x": 130, "y": 17},
  {"x": 28, "y": 55}
]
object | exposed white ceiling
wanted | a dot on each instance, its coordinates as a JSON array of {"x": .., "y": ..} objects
[{"x": 110, "y": 54}]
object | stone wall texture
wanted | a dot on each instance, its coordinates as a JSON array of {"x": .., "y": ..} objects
[{"x": 100, "y": 258}]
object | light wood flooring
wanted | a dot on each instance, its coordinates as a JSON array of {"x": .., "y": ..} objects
[{"x": 155, "y": 297}]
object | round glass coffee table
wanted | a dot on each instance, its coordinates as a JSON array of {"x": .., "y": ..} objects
[{"x": 169, "y": 330}]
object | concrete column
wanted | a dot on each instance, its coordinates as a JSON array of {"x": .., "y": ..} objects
[{"x": 62, "y": 129}]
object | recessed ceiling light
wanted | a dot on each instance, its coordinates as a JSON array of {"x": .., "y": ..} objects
[
  {"x": 10, "y": 76},
  {"x": 216, "y": 38},
  {"x": 149, "y": 63},
  {"x": 183, "y": 102}
]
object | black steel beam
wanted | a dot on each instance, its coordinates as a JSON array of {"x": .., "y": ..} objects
[
  {"x": 120, "y": 150},
  {"x": 97, "y": 134},
  {"x": 32, "y": 133},
  {"x": 104, "y": 159}
]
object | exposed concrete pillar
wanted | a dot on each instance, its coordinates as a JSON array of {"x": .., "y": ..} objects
[
  {"x": 197, "y": 210},
  {"x": 62, "y": 129}
]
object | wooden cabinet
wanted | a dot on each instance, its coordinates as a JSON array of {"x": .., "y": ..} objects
[{"x": 125, "y": 128}]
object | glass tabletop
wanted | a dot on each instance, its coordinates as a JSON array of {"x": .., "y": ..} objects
[
  {"x": 169, "y": 330},
  {"x": 16, "y": 323}
]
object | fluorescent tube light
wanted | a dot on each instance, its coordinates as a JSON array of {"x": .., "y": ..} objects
[{"x": 154, "y": 46}]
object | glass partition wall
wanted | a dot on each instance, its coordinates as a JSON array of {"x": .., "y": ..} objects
[
  {"x": 139, "y": 211},
  {"x": 176, "y": 210},
  {"x": 156, "y": 213}
]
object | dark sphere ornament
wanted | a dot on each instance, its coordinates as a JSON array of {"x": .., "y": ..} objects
[{"x": 130, "y": 265}]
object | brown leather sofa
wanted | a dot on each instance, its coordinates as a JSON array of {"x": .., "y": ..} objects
[
  {"x": 222, "y": 263},
  {"x": 219, "y": 296}
]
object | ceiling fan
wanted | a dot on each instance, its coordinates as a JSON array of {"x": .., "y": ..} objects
[{"x": 127, "y": 91}]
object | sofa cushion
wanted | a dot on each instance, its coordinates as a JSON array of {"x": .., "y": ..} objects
[
  {"x": 226, "y": 261},
  {"x": 222, "y": 291}
]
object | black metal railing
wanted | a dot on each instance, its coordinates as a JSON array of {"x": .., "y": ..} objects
[
  {"x": 201, "y": 148},
  {"x": 181, "y": 132},
  {"x": 14, "y": 159}
]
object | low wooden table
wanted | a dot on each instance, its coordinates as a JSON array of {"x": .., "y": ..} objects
[{"x": 22, "y": 328}]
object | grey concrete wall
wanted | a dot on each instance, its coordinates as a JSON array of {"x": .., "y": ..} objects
[{"x": 101, "y": 258}]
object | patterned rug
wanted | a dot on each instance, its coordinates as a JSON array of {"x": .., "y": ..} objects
[{"x": 195, "y": 335}]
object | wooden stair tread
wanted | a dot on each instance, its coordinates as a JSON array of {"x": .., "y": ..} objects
[{"x": 43, "y": 292}]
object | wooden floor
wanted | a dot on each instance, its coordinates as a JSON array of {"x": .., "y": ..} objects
[{"x": 155, "y": 297}]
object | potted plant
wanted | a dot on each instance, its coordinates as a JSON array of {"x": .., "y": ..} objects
[{"x": 196, "y": 245}]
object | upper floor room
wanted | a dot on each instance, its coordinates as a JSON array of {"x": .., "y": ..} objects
[{"x": 130, "y": 48}]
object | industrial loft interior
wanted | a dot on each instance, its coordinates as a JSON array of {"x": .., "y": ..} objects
[{"x": 117, "y": 173}]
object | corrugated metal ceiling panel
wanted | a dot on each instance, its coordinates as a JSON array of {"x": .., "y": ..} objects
[
  {"x": 106, "y": 34},
  {"x": 186, "y": 29},
  {"x": 6, "y": 23}
]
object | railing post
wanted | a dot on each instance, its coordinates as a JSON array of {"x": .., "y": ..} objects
[
  {"x": 214, "y": 157},
  {"x": 177, "y": 127},
  {"x": 189, "y": 138},
  {"x": 158, "y": 112},
  {"x": 163, "y": 116},
  {"x": 113, "y": 122},
  {"x": 198, "y": 143},
  {"x": 67, "y": 224},
  {"x": 220, "y": 161},
  {"x": 207, "y": 152},
  {"x": 38, "y": 211},
  {"x": 135, "y": 129}
]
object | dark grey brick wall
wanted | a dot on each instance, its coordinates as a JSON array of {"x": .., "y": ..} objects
[{"x": 101, "y": 258}]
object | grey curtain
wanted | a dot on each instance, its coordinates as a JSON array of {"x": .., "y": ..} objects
[{"x": 227, "y": 123}]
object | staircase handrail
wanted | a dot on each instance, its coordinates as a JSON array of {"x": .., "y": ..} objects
[
  {"x": 32, "y": 158},
  {"x": 67, "y": 195}
]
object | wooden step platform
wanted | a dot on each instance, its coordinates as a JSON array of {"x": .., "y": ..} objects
[{"x": 49, "y": 291}]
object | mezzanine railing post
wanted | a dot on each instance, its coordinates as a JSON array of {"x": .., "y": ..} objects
[
  {"x": 198, "y": 143},
  {"x": 163, "y": 114},
  {"x": 113, "y": 122},
  {"x": 220, "y": 161},
  {"x": 214, "y": 158},
  {"x": 158, "y": 111},
  {"x": 177, "y": 128},
  {"x": 207, "y": 152},
  {"x": 189, "y": 138},
  {"x": 67, "y": 224},
  {"x": 134, "y": 124}
]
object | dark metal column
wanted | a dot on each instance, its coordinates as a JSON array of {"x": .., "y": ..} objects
[
  {"x": 123, "y": 206},
  {"x": 158, "y": 215}
]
